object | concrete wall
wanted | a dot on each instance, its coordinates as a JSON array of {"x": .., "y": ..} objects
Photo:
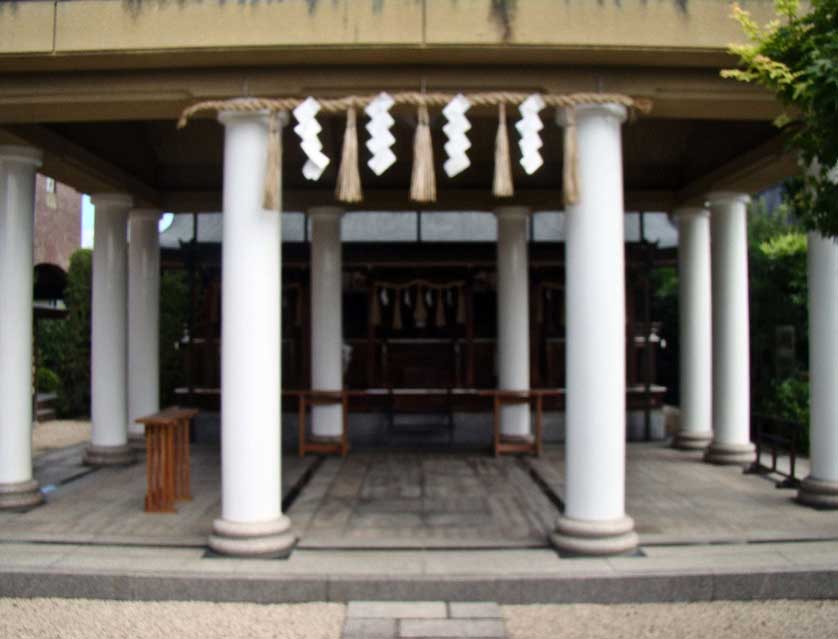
[{"x": 684, "y": 27}]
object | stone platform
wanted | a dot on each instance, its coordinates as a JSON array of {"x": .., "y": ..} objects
[{"x": 404, "y": 525}]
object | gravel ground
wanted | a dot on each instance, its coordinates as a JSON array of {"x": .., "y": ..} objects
[
  {"x": 719, "y": 620},
  {"x": 59, "y": 433},
  {"x": 85, "y": 618}
]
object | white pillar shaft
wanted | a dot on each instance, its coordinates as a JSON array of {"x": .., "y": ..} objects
[
  {"x": 143, "y": 317},
  {"x": 731, "y": 366},
  {"x": 695, "y": 326},
  {"x": 595, "y": 320},
  {"x": 513, "y": 346},
  {"x": 17, "y": 210},
  {"x": 250, "y": 340},
  {"x": 823, "y": 357},
  {"x": 326, "y": 319},
  {"x": 109, "y": 401}
]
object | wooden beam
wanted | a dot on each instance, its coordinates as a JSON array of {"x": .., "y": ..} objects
[
  {"x": 398, "y": 200},
  {"x": 72, "y": 164},
  {"x": 753, "y": 171},
  {"x": 76, "y": 96}
]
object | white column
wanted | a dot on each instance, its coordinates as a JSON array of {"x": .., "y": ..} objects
[
  {"x": 251, "y": 523},
  {"x": 513, "y": 318},
  {"x": 820, "y": 488},
  {"x": 109, "y": 329},
  {"x": 594, "y": 521},
  {"x": 143, "y": 318},
  {"x": 326, "y": 320},
  {"x": 18, "y": 164},
  {"x": 731, "y": 342},
  {"x": 694, "y": 328}
]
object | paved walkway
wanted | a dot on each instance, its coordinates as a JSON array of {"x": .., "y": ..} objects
[{"x": 423, "y": 620}]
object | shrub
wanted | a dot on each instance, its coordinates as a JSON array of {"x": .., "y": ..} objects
[{"x": 66, "y": 346}]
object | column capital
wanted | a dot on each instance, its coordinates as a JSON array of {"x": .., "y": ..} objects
[
  {"x": 112, "y": 200},
  {"x": 612, "y": 110},
  {"x": 512, "y": 211},
  {"x": 227, "y": 117},
  {"x": 689, "y": 211},
  {"x": 326, "y": 211},
  {"x": 721, "y": 198},
  {"x": 22, "y": 154},
  {"x": 144, "y": 214}
]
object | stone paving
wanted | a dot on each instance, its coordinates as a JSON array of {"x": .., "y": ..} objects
[
  {"x": 423, "y": 500},
  {"x": 423, "y": 620},
  {"x": 674, "y": 497},
  {"x": 105, "y": 505}
]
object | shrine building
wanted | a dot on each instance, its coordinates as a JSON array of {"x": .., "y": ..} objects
[{"x": 365, "y": 257}]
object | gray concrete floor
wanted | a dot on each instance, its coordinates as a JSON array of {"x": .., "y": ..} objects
[{"x": 416, "y": 500}]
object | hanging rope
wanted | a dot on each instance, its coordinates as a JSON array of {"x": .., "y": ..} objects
[{"x": 423, "y": 179}]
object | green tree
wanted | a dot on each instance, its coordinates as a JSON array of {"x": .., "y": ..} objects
[
  {"x": 796, "y": 57},
  {"x": 778, "y": 291},
  {"x": 174, "y": 310},
  {"x": 66, "y": 343}
]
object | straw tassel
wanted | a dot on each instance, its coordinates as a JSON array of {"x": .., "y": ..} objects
[
  {"x": 423, "y": 180},
  {"x": 420, "y": 313},
  {"x": 375, "y": 311},
  {"x": 348, "y": 187},
  {"x": 440, "y": 309},
  {"x": 502, "y": 183},
  {"x": 570, "y": 177},
  {"x": 461, "y": 306},
  {"x": 397, "y": 313},
  {"x": 273, "y": 166}
]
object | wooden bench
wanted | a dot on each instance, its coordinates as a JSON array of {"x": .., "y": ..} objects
[{"x": 167, "y": 457}]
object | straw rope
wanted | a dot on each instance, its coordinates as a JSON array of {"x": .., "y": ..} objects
[
  {"x": 423, "y": 182},
  {"x": 413, "y": 98}
]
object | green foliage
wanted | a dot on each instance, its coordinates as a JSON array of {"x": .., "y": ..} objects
[
  {"x": 174, "y": 310},
  {"x": 796, "y": 57},
  {"x": 65, "y": 344},
  {"x": 778, "y": 289},
  {"x": 665, "y": 310},
  {"x": 47, "y": 381},
  {"x": 788, "y": 398}
]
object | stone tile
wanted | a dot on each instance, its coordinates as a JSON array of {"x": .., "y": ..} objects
[
  {"x": 397, "y": 609},
  {"x": 475, "y": 610},
  {"x": 483, "y": 628},
  {"x": 369, "y": 629}
]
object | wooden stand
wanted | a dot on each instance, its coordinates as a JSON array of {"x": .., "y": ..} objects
[
  {"x": 167, "y": 458},
  {"x": 322, "y": 398},
  {"x": 516, "y": 446}
]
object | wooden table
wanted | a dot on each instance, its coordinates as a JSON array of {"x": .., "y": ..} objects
[{"x": 167, "y": 457}]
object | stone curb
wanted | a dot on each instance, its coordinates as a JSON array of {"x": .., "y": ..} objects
[{"x": 648, "y": 588}]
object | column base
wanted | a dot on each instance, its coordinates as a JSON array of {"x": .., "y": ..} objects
[
  {"x": 692, "y": 441},
  {"x": 594, "y": 538},
  {"x": 136, "y": 442},
  {"x": 263, "y": 539},
  {"x": 818, "y": 493},
  {"x": 730, "y": 454},
  {"x": 109, "y": 455},
  {"x": 20, "y": 495}
]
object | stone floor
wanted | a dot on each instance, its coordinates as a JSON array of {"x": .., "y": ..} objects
[
  {"x": 422, "y": 500},
  {"x": 423, "y": 620},
  {"x": 419, "y": 500}
]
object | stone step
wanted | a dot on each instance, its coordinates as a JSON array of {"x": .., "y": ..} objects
[{"x": 45, "y": 414}]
